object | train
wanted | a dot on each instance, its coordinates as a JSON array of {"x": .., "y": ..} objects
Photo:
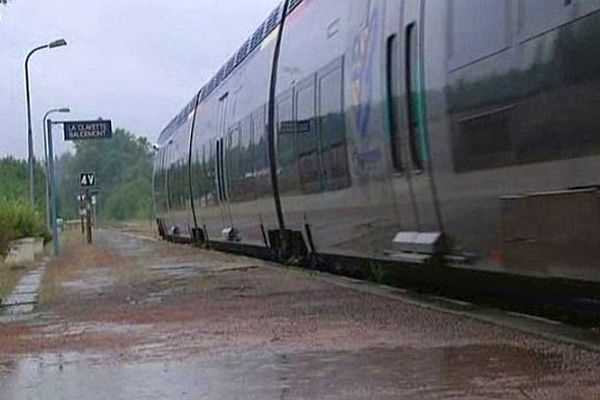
[{"x": 461, "y": 131}]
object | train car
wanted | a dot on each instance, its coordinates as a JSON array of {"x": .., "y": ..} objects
[{"x": 460, "y": 130}]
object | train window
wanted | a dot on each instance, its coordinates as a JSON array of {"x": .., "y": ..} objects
[
  {"x": 158, "y": 182},
  {"x": 183, "y": 188},
  {"x": 207, "y": 177},
  {"x": 176, "y": 200},
  {"x": 308, "y": 141},
  {"x": 539, "y": 16},
  {"x": 246, "y": 184},
  {"x": 332, "y": 128},
  {"x": 163, "y": 180},
  {"x": 223, "y": 102},
  {"x": 172, "y": 187},
  {"x": 484, "y": 141},
  {"x": 541, "y": 110},
  {"x": 168, "y": 178},
  {"x": 207, "y": 182},
  {"x": 197, "y": 171},
  {"x": 210, "y": 168},
  {"x": 199, "y": 178},
  {"x": 175, "y": 188},
  {"x": 293, "y": 4},
  {"x": 261, "y": 160},
  {"x": 477, "y": 29},
  {"x": 262, "y": 172},
  {"x": 166, "y": 201},
  {"x": 233, "y": 160},
  {"x": 393, "y": 103},
  {"x": 286, "y": 143}
]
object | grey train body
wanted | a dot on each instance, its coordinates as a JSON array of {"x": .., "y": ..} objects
[{"x": 463, "y": 129}]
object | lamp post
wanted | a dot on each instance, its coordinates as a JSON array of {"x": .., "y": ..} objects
[
  {"x": 54, "y": 110},
  {"x": 51, "y": 45},
  {"x": 53, "y": 191}
]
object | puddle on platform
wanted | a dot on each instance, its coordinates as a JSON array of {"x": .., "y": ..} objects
[{"x": 471, "y": 372}]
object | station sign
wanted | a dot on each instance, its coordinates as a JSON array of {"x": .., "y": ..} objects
[{"x": 85, "y": 130}]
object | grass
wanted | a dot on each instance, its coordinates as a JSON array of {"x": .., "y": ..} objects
[{"x": 379, "y": 273}]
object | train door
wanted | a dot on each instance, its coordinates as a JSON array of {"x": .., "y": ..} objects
[
  {"x": 221, "y": 168},
  {"x": 410, "y": 142}
]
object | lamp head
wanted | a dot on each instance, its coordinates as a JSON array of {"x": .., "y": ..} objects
[
  {"x": 57, "y": 43},
  {"x": 64, "y": 110}
]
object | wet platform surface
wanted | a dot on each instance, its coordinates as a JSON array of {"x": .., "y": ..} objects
[
  {"x": 24, "y": 297},
  {"x": 140, "y": 319}
]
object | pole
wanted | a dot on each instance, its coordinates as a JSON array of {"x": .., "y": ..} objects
[
  {"x": 82, "y": 213},
  {"x": 53, "y": 192},
  {"x": 88, "y": 215},
  {"x": 48, "y": 221},
  {"x": 93, "y": 211},
  {"x": 30, "y": 156}
]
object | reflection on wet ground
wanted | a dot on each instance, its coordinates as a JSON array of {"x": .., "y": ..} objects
[
  {"x": 147, "y": 320},
  {"x": 469, "y": 372}
]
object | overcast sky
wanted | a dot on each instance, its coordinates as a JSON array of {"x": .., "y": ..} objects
[{"x": 136, "y": 62}]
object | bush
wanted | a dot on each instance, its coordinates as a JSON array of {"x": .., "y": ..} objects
[{"x": 18, "y": 221}]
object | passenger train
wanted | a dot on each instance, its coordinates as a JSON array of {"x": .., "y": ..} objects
[{"x": 465, "y": 131}]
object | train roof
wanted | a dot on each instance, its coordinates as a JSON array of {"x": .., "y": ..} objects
[{"x": 264, "y": 30}]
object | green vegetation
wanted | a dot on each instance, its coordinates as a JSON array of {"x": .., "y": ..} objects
[
  {"x": 14, "y": 182},
  {"x": 17, "y": 220},
  {"x": 379, "y": 273},
  {"x": 123, "y": 167}
]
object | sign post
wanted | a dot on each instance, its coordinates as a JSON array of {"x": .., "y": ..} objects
[
  {"x": 81, "y": 199},
  {"x": 53, "y": 192},
  {"x": 88, "y": 215},
  {"x": 87, "y": 180},
  {"x": 74, "y": 130}
]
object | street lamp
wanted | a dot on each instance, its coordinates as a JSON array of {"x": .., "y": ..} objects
[
  {"x": 51, "y": 45},
  {"x": 54, "y": 110}
]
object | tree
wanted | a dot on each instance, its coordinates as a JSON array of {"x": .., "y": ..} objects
[
  {"x": 123, "y": 168},
  {"x": 14, "y": 182}
]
